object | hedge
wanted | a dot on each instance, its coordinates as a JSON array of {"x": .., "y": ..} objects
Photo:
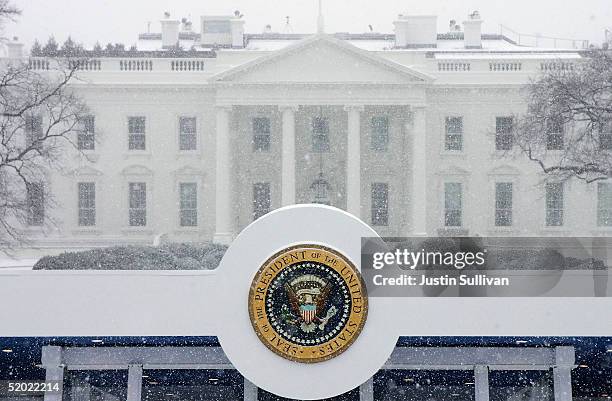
[{"x": 174, "y": 256}]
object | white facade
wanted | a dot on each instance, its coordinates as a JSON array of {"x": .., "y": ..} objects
[{"x": 398, "y": 119}]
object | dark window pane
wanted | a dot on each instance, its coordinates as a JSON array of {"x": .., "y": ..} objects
[
  {"x": 554, "y": 141},
  {"x": 187, "y": 125},
  {"x": 188, "y": 142},
  {"x": 554, "y": 204},
  {"x": 188, "y": 204},
  {"x": 87, "y": 204},
  {"x": 187, "y": 133},
  {"x": 503, "y": 204},
  {"x": 261, "y": 199},
  {"x": 604, "y": 204},
  {"x": 261, "y": 134},
  {"x": 454, "y": 133},
  {"x": 503, "y": 133},
  {"x": 453, "y": 204},
  {"x": 86, "y": 141},
  {"x": 137, "y": 142},
  {"x": 380, "y": 204},
  {"x": 320, "y": 134},
  {"x": 380, "y": 133},
  {"x": 136, "y": 125},
  {"x": 138, "y": 204},
  {"x": 35, "y": 203},
  {"x": 605, "y": 141},
  {"x": 34, "y": 130},
  {"x": 136, "y": 130}
]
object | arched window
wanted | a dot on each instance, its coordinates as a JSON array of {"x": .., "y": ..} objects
[{"x": 320, "y": 191}]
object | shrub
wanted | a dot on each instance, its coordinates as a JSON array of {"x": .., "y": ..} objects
[{"x": 166, "y": 257}]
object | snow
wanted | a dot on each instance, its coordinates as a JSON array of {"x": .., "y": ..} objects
[{"x": 7, "y": 263}]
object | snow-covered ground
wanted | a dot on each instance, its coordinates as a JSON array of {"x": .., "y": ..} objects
[{"x": 8, "y": 263}]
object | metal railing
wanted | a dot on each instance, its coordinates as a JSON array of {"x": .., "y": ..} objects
[{"x": 536, "y": 40}]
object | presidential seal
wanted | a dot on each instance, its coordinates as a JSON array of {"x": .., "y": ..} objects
[{"x": 308, "y": 303}]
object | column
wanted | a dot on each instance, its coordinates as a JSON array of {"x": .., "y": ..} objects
[
  {"x": 134, "y": 388},
  {"x": 249, "y": 391},
  {"x": 51, "y": 359},
  {"x": 223, "y": 207},
  {"x": 565, "y": 358},
  {"x": 481, "y": 383},
  {"x": 288, "y": 156},
  {"x": 419, "y": 172},
  {"x": 353, "y": 161},
  {"x": 366, "y": 390},
  {"x": 562, "y": 379}
]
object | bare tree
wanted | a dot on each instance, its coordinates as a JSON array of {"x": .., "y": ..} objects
[
  {"x": 40, "y": 116},
  {"x": 8, "y": 11},
  {"x": 567, "y": 129}
]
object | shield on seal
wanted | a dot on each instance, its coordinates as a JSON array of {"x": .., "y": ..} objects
[{"x": 309, "y": 312}]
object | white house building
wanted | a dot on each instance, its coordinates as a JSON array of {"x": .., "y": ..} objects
[{"x": 408, "y": 131}]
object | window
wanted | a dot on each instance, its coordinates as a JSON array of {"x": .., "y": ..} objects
[
  {"x": 188, "y": 204},
  {"x": 554, "y": 204},
  {"x": 138, "y": 204},
  {"x": 605, "y": 134},
  {"x": 87, "y": 204},
  {"x": 34, "y": 131},
  {"x": 453, "y": 194},
  {"x": 554, "y": 134},
  {"x": 380, "y": 204},
  {"x": 35, "y": 203},
  {"x": 188, "y": 137},
  {"x": 503, "y": 204},
  {"x": 604, "y": 204},
  {"x": 320, "y": 191},
  {"x": 261, "y": 134},
  {"x": 261, "y": 199},
  {"x": 454, "y": 133},
  {"x": 503, "y": 133},
  {"x": 86, "y": 135},
  {"x": 320, "y": 134},
  {"x": 137, "y": 130},
  {"x": 380, "y": 133}
]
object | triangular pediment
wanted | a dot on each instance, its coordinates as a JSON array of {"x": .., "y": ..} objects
[
  {"x": 322, "y": 59},
  {"x": 453, "y": 170}
]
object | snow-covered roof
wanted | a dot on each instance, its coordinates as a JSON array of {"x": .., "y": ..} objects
[
  {"x": 539, "y": 55},
  {"x": 369, "y": 42}
]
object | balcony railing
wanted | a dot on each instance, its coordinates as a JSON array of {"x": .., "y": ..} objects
[{"x": 128, "y": 65}]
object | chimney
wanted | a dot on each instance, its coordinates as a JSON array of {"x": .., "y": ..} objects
[
  {"x": 472, "y": 31},
  {"x": 15, "y": 48},
  {"x": 237, "y": 32},
  {"x": 170, "y": 31},
  {"x": 416, "y": 31}
]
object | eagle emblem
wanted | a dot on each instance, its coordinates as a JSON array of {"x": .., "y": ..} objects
[
  {"x": 307, "y": 297},
  {"x": 308, "y": 303}
]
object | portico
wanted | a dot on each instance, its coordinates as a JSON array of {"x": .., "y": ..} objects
[{"x": 324, "y": 84}]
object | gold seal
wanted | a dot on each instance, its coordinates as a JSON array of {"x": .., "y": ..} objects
[{"x": 308, "y": 303}]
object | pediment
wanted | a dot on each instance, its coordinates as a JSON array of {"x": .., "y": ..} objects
[
  {"x": 322, "y": 59},
  {"x": 136, "y": 170},
  {"x": 504, "y": 170},
  {"x": 453, "y": 170}
]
